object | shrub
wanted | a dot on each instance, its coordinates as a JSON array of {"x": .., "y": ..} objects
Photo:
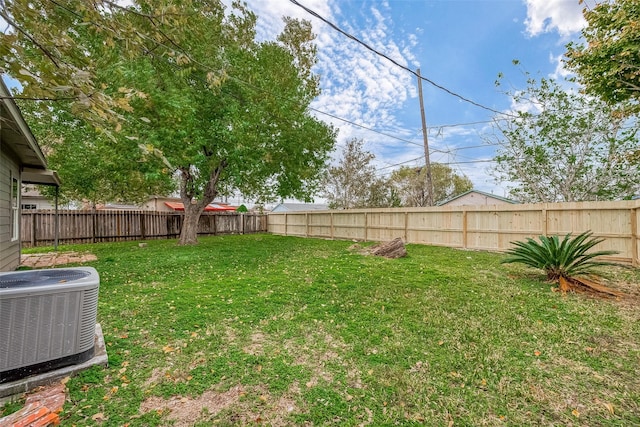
[{"x": 559, "y": 259}]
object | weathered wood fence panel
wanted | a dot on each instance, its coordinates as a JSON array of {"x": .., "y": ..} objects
[
  {"x": 38, "y": 227},
  {"x": 474, "y": 227}
]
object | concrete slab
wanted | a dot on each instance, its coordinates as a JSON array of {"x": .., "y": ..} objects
[
  {"x": 13, "y": 389},
  {"x": 51, "y": 259}
]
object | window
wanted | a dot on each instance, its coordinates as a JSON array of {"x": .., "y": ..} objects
[
  {"x": 15, "y": 207},
  {"x": 28, "y": 206}
]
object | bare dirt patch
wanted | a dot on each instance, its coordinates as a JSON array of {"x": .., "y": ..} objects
[
  {"x": 197, "y": 361},
  {"x": 156, "y": 376},
  {"x": 230, "y": 334},
  {"x": 261, "y": 408},
  {"x": 319, "y": 351},
  {"x": 255, "y": 347},
  {"x": 184, "y": 410},
  {"x": 242, "y": 406}
]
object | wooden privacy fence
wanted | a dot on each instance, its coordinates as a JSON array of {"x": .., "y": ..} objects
[
  {"x": 38, "y": 227},
  {"x": 491, "y": 228}
]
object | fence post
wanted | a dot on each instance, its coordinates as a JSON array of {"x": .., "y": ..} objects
[
  {"x": 331, "y": 225},
  {"x": 366, "y": 226},
  {"x": 634, "y": 238},
  {"x": 33, "y": 230},
  {"x": 306, "y": 222},
  {"x": 406, "y": 226},
  {"x": 286, "y": 223},
  {"x": 143, "y": 228},
  {"x": 544, "y": 220},
  {"x": 93, "y": 225},
  {"x": 464, "y": 229}
]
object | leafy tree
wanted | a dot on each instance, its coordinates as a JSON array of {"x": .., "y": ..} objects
[
  {"x": 565, "y": 146},
  {"x": 382, "y": 195},
  {"x": 353, "y": 182},
  {"x": 92, "y": 167},
  {"x": 186, "y": 82},
  {"x": 410, "y": 184},
  {"x": 56, "y": 49},
  {"x": 608, "y": 63}
]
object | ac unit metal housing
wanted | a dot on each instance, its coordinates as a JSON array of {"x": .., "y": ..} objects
[{"x": 47, "y": 319}]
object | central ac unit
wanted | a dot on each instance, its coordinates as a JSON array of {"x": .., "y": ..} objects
[{"x": 47, "y": 319}]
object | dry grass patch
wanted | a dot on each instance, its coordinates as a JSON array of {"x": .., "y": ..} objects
[
  {"x": 255, "y": 347},
  {"x": 260, "y": 407},
  {"x": 242, "y": 405},
  {"x": 184, "y": 411}
]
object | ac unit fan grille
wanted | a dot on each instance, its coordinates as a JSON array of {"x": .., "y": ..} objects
[{"x": 40, "y": 277}]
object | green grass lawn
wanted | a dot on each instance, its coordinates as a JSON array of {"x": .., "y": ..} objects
[{"x": 288, "y": 331}]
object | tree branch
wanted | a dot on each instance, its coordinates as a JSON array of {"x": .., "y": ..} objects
[
  {"x": 48, "y": 54},
  {"x": 630, "y": 86},
  {"x": 29, "y": 98},
  {"x": 152, "y": 19}
]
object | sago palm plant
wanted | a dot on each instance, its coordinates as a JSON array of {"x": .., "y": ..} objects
[{"x": 561, "y": 260}]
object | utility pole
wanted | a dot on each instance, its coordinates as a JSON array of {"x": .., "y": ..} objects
[{"x": 425, "y": 136}]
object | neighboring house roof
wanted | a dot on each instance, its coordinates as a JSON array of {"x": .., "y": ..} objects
[
  {"x": 17, "y": 134},
  {"x": 300, "y": 207},
  {"x": 212, "y": 207},
  {"x": 482, "y": 193},
  {"x": 117, "y": 206}
]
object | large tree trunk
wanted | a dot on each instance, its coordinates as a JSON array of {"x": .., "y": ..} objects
[
  {"x": 192, "y": 211},
  {"x": 189, "y": 230}
]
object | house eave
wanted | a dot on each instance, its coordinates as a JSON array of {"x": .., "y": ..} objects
[
  {"x": 40, "y": 176},
  {"x": 16, "y": 132}
]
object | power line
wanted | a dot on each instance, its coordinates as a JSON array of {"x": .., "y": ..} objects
[
  {"x": 435, "y": 150},
  {"x": 471, "y": 162},
  {"x": 178, "y": 47},
  {"x": 440, "y": 163},
  {"x": 453, "y": 125},
  {"x": 488, "y": 144},
  {"x": 364, "y": 127},
  {"x": 175, "y": 45},
  {"x": 400, "y": 163},
  {"x": 377, "y": 52}
]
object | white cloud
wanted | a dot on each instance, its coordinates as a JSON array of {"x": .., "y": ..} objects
[
  {"x": 356, "y": 84},
  {"x": 270, "y": 14},
  {"x": 367, "y": 89},
  {"x": 561, "y": 72},
  {"x": 563, "y": 16}
]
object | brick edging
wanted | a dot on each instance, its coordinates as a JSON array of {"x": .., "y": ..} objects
[{"x": 41, "y": 409}]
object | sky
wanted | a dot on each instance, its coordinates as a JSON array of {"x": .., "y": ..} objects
[{"x": 459, "y": 45}]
